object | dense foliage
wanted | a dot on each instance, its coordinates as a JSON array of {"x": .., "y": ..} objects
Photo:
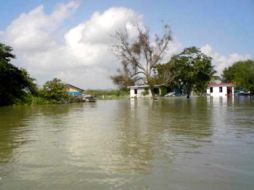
[
  {"x": 15, "y": 83},
  {"x": 191, "y": 70},
  {"x": 55, "y": 91},
  {"x": 242, "y": 73}
]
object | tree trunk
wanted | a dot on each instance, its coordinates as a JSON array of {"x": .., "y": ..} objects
[
  {"x": 188, "y": 94},
  {"x": 152, "y": 92}
]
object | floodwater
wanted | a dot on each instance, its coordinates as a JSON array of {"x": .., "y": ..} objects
[{"x": 173, "y": 143}]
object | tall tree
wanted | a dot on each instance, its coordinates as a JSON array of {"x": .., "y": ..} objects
[
  {"x": 164, "y": 74},
  {"x": 15, "y": 83},
  {"x": 140, "y": 56},
  {"x": 242, "y": 73},
  {"x": 192, "y": 70}
]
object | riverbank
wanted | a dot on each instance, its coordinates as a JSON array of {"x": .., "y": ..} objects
[
  {"x": 114, "y": 94},
  {"x": 30, "y": 99}
]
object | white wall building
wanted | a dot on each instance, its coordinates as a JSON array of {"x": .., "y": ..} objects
[
  {"x": 143, "y": 91},
  {"x": 220, "y": 89}
]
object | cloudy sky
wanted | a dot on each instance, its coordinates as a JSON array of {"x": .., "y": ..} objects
[{"x": 72, "y": 40}]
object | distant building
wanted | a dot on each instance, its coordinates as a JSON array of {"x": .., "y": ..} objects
[
  {"x": 73, "y": 90},
  {"x": 220, "y": 89}
]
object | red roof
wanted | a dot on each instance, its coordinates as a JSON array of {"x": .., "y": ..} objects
[{"x": 213, "y": 84}]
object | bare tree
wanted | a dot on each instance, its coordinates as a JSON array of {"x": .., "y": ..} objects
[
  {"x": 140, "y": 57},
  {"x": 124, "y": 77}
]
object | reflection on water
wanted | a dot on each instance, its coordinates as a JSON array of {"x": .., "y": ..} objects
[{"x": 202, "y": 143}]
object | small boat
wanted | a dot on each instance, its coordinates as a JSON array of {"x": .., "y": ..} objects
[{"x": 88, "y": 98}]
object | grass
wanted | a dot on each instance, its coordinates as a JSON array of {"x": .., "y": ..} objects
[{"x": 108, "y": 94}]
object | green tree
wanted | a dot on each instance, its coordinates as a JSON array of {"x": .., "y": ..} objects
[
  {"x": 55, "y": 91},
  {"x": 15, "y": 83},
  {"x": 139, "y": 56},
  {"x": 192, "y": 70},
  {"x": 242, "y": 73}
]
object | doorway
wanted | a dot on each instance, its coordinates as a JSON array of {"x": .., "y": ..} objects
[{"x": 229, "y": 91}]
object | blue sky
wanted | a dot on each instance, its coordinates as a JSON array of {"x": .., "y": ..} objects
[
  {"x": 228, "y": 25},
  {"x": 225, "y": 28}
]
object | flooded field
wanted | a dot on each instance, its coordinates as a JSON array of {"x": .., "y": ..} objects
[{"x": 173, "y": 143}]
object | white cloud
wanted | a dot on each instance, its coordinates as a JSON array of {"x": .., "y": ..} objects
[
  {"x": 91, "y": 42},
  {"x": 174, "y": 48},
  {"x": 32, "y": 31},
  {"x": 222, "y": 61},
  {"x": 83, "y": 56}
]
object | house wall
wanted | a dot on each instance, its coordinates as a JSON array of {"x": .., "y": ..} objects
[
  {"x": 140, "y": 92},
  {"x": 73, "y": 91},
  {"x": 216, "y": 91}
]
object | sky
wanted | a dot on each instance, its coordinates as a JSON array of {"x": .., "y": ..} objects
[{"x": 72, "y": 40}]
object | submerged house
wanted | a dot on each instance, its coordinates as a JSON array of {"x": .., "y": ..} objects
[
  {"x": 144, "y": 91},
  {"x": 73, "y": 90},
  {"x": 220, "y": 89}
]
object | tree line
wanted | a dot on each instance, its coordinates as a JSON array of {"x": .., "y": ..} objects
[
  {"x": 18, "y": 87},
  {"x": 141, "y": 63},
  {"x": 189, "y": 71}
]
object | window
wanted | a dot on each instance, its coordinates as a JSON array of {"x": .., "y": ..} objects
[
  {"x": 211, "y": 89},
  {"x": 135, "y": 91},
  {"x": 220, "y": 89}
]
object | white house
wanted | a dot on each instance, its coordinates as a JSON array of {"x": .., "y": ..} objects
[
  {"x": 143, "y": 91},
  {"x": 219, "y": 89}
]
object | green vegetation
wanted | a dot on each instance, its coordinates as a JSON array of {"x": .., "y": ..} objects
[
  {"x": 145, "y": 92},
  {"x": 109, "y": 94},
  {"x": 242, "y": 73},
  {"x": 188, "y": 71},
  {"x": 192, "y": 70},
  {"x": 54, "y": 91},
  {"x": 17, "y": 87},
  {"x": 16, "y": 84},
  {"x": 164, "y": 90}
]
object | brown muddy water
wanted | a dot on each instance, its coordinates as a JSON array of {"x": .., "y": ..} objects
[{"x": 173, "y": 143}]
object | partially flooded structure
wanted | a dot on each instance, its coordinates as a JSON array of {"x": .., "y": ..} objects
[
  {"x": 73, "y": 90},
  {"x": 143, "y": 91},
  {"x": 220, "y": 89}
]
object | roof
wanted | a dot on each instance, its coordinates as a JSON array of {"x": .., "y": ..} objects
[
  {"x": 139, "y": 86},
  {"x": 143, "y": 86},
  {"x": 214, "y": 84},
  {"x": 72, "y": 86}
]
